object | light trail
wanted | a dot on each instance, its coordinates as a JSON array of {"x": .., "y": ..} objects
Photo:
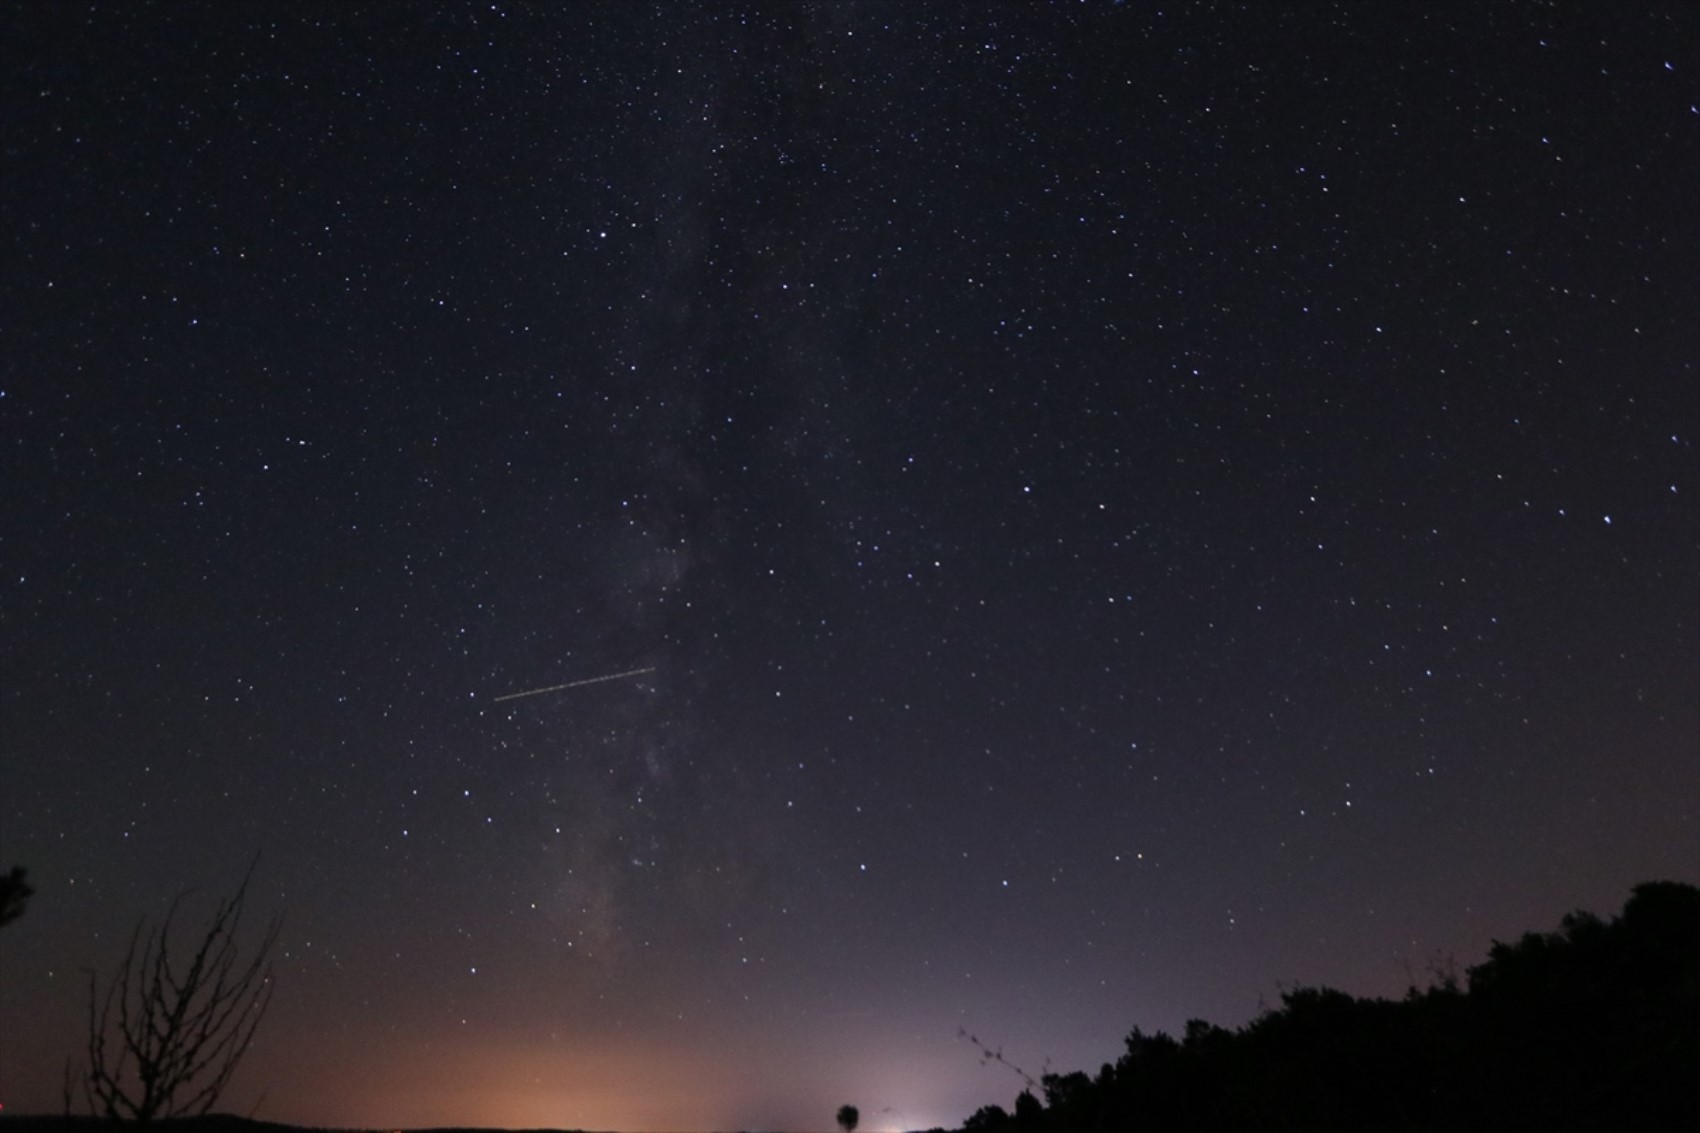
[{"x": 573, "y": 684}]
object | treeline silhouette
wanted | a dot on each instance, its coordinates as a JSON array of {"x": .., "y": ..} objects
[{"x": 1595, "y": 1026}]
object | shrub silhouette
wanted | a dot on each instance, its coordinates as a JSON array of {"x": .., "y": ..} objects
[{"x": 1595, "y": 1026}]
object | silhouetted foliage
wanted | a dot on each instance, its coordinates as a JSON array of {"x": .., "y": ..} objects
[
  {"x": 848, "y": 1118},
  {"x": 1029, "y": 1113},
  {"x": 15, "y": 894},
  {"x": 164, "y": 1038},
  {"x": 1596, "y": 1026}
]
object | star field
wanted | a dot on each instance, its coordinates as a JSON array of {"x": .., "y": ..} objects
[{"x": 1119, "y": 508}]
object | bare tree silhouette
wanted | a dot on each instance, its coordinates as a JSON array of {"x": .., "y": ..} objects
[
  {"x": 164, "y": 1039},
  {"x": 848, "y": 1118}
]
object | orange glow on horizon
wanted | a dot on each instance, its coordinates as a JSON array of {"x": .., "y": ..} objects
[
  {"x": 513, "y": 1087},
  {"x": 631, "y": 1088}
]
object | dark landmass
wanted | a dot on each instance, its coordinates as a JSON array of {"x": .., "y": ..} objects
[{"x": 218, "y": 1123}]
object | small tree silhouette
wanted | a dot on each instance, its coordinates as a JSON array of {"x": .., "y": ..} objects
[
  {"x": 164, "y": 1039},
  {"x": 1029, "y": 1112},
  {"x": 848, "y": 1118}
]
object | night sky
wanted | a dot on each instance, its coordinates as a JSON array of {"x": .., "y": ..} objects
[{"x": 1124, "y": 508}]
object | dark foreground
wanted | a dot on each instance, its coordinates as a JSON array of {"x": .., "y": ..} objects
[{"x": 211, "y": 1123}]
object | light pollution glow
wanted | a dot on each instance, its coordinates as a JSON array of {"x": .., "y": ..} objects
[{"x": 632, "y": 1088}]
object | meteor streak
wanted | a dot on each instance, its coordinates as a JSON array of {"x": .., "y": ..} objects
[{"x": 572, "y": 684}]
